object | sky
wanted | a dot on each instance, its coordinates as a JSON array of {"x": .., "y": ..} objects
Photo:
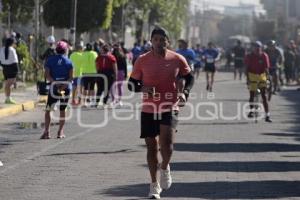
[
  {"x": 219, "y": 4},
  {"x": 234, "y": 2}
]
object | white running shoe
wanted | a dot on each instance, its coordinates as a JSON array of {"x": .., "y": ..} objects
[
  {"x": 121, "y": 104},
  {"x": 165, "y": 178},
  {"x": 155, "y": 191},
  {"x": 113, "y": 105},
  {"x": 1, "y": 164}
]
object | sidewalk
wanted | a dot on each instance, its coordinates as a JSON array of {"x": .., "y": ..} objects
[{"x": 26, "y": 99}]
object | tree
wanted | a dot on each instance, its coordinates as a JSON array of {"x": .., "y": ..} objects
[
  {"x": 139, "y": 10},
  {"x": 25, "y": 59},
  {"x": 90, "y": 14},
  {"x": 21, "y": 11},
  {"x": 111, "y": 8},
  {"x": 170, "y": 14},
  {"x": 174, "y": 14}
]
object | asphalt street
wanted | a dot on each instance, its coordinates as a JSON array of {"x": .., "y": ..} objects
[{"x": 219, "y": 153}]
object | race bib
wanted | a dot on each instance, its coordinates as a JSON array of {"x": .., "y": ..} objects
[{"x": 210, "y": 60}]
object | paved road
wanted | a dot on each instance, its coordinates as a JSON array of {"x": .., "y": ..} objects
[{"x": 213, "y": 159}]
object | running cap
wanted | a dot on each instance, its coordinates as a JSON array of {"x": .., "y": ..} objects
[
  {"x": 258, "y": 43},
  {"x": 61, "y": 47},
  {"x": 159, "y": 31}
]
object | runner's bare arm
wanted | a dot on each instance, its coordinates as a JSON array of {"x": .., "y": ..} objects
[{"x": 47, "y": 75}]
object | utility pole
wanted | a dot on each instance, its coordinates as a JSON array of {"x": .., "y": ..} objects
[
  {"x": 9, "y": 19},
  {"x": 37, "y": 33},
  {"x": 73, "y": 22},
  {"x": 123, "y": 24},
  {"x": 204, "y": 25},
  {"x": 287, "y": 16}
]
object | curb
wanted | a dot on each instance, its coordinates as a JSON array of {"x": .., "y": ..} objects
[
  {"x": 29, "y": 105},
  {"x": 11, "y": 110},
  {"x": 26, "y": 106}
]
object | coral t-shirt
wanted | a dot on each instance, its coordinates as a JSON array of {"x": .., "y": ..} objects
[{"x": 162, "y": 74}]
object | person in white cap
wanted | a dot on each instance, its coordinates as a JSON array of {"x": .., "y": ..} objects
[{"x": 50, "y": 51}]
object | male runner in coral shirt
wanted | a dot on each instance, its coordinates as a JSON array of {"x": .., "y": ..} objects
[{"x": 156, "y": 74}]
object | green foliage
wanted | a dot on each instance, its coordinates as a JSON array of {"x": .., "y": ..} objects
[
  {"x": 26, "y": 63},
  {"x": 111, "y": 6},
  {"x": 118, "y": 3},
  {"x": 170, "y": 14},
  {"x": 90, "y": 14},
  {"x": 21, "y": 11},
  {"x": 108, "y": 14},
  {"x": 174, "y": 13}
]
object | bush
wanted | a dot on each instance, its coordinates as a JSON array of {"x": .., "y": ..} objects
[{"x": 26, "y": 62}]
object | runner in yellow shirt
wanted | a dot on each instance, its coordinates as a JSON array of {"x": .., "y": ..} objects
[
  {"x": 77, "y": 60},
  {"x": 89, "y": 72}
]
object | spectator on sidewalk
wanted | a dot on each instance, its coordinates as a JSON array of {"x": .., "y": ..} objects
[
  {"x": 9, "y": 62},
  {"x": 50, "y": 51},
  {"x": 59, "y": 72},
  {"x": 289, "y": 63}
]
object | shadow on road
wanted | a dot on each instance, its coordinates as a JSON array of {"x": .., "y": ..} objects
[
  {"x": 237, "y": 147},
  {"x": 98, "y": 152},
  {"x": 215, "y": 123},
  {"x": 293, "y": 109},
  {"x": 248, "y": 167},
  {"x": 215, "y": 190},
  {"x": 282, "y": 134}
]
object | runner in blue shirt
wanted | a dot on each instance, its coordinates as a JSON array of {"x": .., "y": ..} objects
[
  {"x": 210, "y": 56},
  {"x": 186, "y": 52},
  {"x": 59, "y": 71},
  {"x": 198, "y": 60},
  {"x": 136, "y": 52},
  {"x": 189, "y": 56}
]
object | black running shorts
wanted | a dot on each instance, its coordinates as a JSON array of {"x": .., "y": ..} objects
[
  {"x": 10, "y": 71},
  {"x": 150, "y": 122}
]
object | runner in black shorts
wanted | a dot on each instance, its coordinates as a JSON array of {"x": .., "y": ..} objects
[
  {"x": 210, "y": 55},
  {"x": 89, "y": 74},
  {"x": 60, "y": 94},
  {"x": 59, "y": 71},
  {"x": 150, "y": 122},
  {"x": 239, "y": 56},
  {"x": 156, "y": 74}
]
